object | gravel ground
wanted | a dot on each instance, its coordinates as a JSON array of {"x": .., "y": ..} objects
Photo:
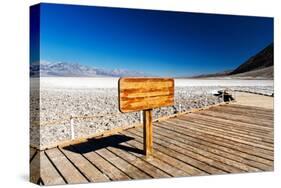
[{"x": 96, "y": 110}]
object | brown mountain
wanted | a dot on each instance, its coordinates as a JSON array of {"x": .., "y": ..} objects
[{"x": 258, "y": 64}]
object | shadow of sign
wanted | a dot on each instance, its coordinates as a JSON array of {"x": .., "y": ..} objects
[{"x": 100, "y": 143}]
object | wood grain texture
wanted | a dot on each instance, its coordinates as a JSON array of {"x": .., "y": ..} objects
[
  {"x": 137, "y": 94},
  {"x": 90, "y": 171},
  {"x": 103, "y": 164},
  {"x": 147, "y": 132},
  {"x": 187, "y": 145},
  {"x": 66, "y": 168},
  {"x": 49, "y": 174},
  {"x": 34, "y": 169}
]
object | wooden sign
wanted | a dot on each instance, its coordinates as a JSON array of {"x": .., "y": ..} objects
[{"x": 137, "y": 94}]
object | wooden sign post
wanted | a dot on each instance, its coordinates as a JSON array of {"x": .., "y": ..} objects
[{"x": 137, "y": 94}]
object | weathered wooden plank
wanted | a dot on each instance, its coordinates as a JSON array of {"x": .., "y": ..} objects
[
  {"x": 123, "y": 165},
  {"x": 142, "y": 103},
  {"x": 219, "y": 134},
  {"x": 139, "y": 163},
  {"x": 251, "y": 108},
  {"x": 220, "y": 141},
  {"x": 172, "y": 161},
  {"x": 232, "y": 124},
  {"x": 227, "y": 132},
  {"x": 171, "y": 170},
  {"x": 268, "y": 137},
  {"x": 106, "y": 167},
  {"x": 90, "y": 171},
  {"x": 137, "y": 82},
  {"x": 207, "y": 157},
  {"x": 256, "y": 109},
  {"x": 32, "y": 153},
  {"x": 66, "y": 168},
  {"x": 244, "y": 114},
  {"x": 249, "y": 112},
  {"x": 231, "y": 127},
  {"x": 194, "y": 163},
  {"x": 237, "y": 118},
  {"x": 137, "y": 94},
  {"x": 237, "y": 107},
  {"x": 241, "y": 118},
  {"x": 186, "y": 136},
  {"x": 224, "y": 134},
  {"x": 264, "y": 147},
  {"x": 126, "y": 94},
  {"x": 48, "y": 173},
  {"x": 221, "y": 151},
  {"x": 208, "y": 153},
  {"x": 34, "y": 169}
]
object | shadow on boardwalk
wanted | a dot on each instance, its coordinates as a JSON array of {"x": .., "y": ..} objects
[{"x": 104, "y": 142}]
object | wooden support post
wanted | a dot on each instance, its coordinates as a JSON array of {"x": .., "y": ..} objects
[
  {"x": 135, "y": 94},
  {"x": 147, "y": 131}
]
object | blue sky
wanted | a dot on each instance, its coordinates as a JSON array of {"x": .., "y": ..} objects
[{"x": 156, "y": 42}]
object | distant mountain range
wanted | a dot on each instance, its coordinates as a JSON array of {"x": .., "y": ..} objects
[
  {"x": 66, "y": 69},
  {"x": 259, "y": 66}
]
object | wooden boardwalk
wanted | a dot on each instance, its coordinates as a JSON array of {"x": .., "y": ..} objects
[{"x": 223, "y": 139}]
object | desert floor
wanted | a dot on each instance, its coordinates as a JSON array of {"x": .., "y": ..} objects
[{"x": 250, "y": 99}]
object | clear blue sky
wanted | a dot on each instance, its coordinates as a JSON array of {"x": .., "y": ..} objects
[{"x": 156, "y": 42}]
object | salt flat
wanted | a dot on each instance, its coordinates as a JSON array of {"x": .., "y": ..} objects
[
  {"x": 93, "y": 104},
  {"x": 108, "y": 82}
]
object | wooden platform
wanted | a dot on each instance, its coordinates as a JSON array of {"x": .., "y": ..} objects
[{"x": 224, "y": 139}]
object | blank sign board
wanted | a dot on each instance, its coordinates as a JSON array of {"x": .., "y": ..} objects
[{"x": 137, "y": 94}]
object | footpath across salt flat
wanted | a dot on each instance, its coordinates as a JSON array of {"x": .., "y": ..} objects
[{"x": 250, "y": 99}]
